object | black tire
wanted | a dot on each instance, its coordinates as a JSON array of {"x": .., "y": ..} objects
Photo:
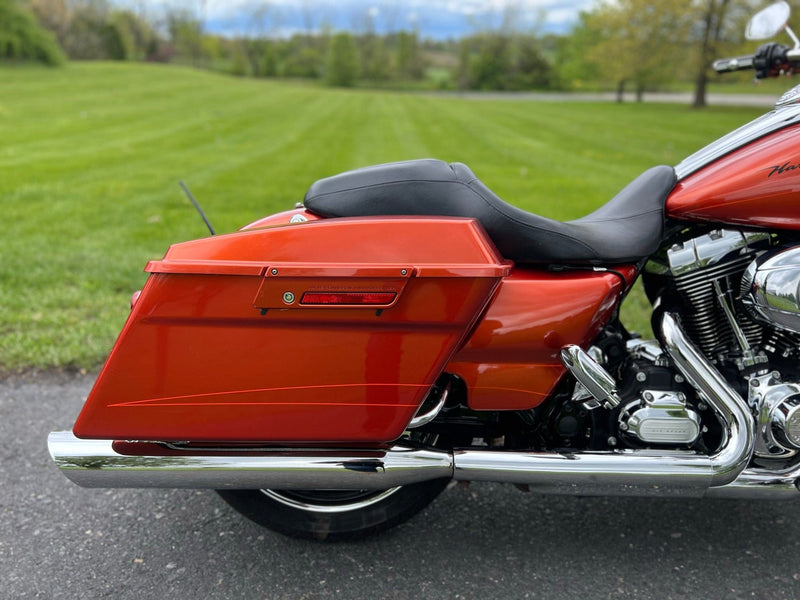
[{"x": 333, "y": 515}]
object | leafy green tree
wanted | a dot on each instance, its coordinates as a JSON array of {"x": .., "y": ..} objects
[
  {"x": 645, "y": 43},
  {"x": 574, "y": 62},
  {"x": 23, "y": 38},
  {"x": 239, "y": 59},
  {"x": 640, "y": 42},
  {"x": 304, "y": 62},
  {"x": 186, "y": 34},
  {"x": 302, "y": 56},
  {"x": 464, "y": 70},
  {"x": 410, "y": 64},
  {"x": 269, "y": 61},
  {"x": 491, "y": 68},
  {"x": 136, "y": 34},
  {"x": 342, "y": 65},
  {"x": 376, "y": 63},
  {"x": 531, "y": 70}
]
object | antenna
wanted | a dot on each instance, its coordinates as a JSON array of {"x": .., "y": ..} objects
[{"x": 197, "y": 206}]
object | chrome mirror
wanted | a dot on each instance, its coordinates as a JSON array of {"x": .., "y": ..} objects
[{"x": 768, "y": 22}]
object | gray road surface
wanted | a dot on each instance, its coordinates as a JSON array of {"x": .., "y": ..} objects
[
  {"x": 484, "y": 542},
  {"x": 754, "y": 100}
]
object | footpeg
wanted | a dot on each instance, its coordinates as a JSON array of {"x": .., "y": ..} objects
[{"x": 591, "y": 376}]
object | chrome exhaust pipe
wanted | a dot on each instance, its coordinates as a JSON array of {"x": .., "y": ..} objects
[
  {"x": 95, "y": 463},
  {"x": 634, "y": 472},
  {"x": 732, "y": 411},
  {"x": 760, "y": 484}
]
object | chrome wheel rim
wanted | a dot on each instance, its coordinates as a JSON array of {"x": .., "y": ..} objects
[{"x": 329, "y": 501}]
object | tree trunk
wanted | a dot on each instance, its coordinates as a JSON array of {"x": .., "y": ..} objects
[
  {"x": 700, "y": 88},
  {"x": 713, "y": 21},
  {"x": 639, "y": 93},
  {"x": 621, "y": 91}
]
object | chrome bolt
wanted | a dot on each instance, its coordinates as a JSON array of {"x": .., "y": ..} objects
[
  {"x": 622, "y": 427},
  {"x": 755, "y": 383},
  {"x": 274, "y": 271},
  {"x": 641, "y": 377},
  {"x": 648, "y": 396},
  {"x": 288, "y": 297},
  {"x": 679, "y": 378},
  {"x": 404, "y": 272},
  {"x": 612, "y": 441}
]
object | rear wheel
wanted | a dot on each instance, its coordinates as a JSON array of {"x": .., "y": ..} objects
[{"x": 333, "y": 515}]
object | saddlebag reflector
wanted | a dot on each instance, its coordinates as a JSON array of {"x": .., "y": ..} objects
[{"x": 348, "y": 298}]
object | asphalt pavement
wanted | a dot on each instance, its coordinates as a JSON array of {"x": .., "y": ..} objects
[
  {"x": 484, "y": 541},
  {"x": 712, "y": 99}
]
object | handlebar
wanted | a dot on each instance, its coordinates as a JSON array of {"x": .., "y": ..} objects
[
  {"x": 740, "y": 63},
  {"x": 770, "y": 60}
]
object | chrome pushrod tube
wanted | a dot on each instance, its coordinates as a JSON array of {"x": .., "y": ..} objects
[
  {"x": 738, "y": 424},
  {"x": 95, "y": 463}
]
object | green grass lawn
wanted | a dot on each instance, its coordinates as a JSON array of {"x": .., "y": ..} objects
[{"x": 91, "y": 155}]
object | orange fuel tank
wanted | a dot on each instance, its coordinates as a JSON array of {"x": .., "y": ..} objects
[{"x": 757, "y": 185}]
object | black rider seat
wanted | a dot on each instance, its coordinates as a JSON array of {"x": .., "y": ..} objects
[{"x": 625, "y": 230}]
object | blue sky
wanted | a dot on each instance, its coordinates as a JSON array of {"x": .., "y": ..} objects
[{"x": 433, "y": 18}]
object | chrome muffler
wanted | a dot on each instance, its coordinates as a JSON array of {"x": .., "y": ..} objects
[{"x": 95, "y": 463}]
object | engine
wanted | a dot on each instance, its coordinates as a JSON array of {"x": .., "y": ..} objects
[{"x": 739, "y": 298}]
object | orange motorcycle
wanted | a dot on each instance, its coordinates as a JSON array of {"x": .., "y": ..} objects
[{"x": 330, "y": 369}]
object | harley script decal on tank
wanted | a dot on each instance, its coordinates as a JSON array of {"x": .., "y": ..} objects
[{"x": 779, "y": 169}]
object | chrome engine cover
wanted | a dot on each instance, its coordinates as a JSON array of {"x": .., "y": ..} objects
[
  {"x": 777, "y": 408},
  {"x": 661, "y": 417},
  {"x": 771, "y": 286}
]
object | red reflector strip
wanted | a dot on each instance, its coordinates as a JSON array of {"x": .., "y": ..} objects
[{"x": 349, "y": 298}]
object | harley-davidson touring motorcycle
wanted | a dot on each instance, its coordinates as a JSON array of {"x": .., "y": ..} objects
[{"x": 330, "y": 369}]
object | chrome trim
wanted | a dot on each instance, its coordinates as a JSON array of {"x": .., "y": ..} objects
[
  {"x": 660, "y": 417},
  {"x": 369, "y": 500},
  {"x": 649, "y": 350},
  {"x": 779, "y": 118},
  {"x": 94, "y": 463},
  {"x": 773, "y": 402},
  {"x": 706, "y": 251},
  {"x": 591, "y": 375},
  {"x": 734, "y": 415},
  {"x": 424, "y": 419},
  {"x": 772, "y": 283},
  {"x": 621, "y": 473}
]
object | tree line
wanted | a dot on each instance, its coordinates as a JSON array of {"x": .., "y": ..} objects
[{"x": 621, "y": 44}]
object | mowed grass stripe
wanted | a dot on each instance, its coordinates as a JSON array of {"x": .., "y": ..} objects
[{"x": 90, "y": 157}]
